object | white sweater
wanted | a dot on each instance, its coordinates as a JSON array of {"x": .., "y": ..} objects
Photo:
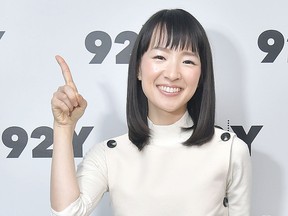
[{"x": 167, "y": 178}]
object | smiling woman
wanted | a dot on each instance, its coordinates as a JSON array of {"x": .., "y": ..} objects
[
  {"x": 173, "y": 161},
  {"x": 171, "y": 32}
]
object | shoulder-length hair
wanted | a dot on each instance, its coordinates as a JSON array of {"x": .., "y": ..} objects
[{"x": 180, "y": 30}]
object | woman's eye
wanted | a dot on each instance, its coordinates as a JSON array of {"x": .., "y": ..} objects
[
  {"x": 159, "y": 57},
  {"x": 189, "y": 62}
]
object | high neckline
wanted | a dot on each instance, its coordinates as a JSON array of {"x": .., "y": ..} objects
[{"x": 171, "y": 135}]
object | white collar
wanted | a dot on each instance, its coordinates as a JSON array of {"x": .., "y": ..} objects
[{"x": 173, "y": 134}]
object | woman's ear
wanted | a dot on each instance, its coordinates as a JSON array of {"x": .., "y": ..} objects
[{"x": 139, "y": 76}]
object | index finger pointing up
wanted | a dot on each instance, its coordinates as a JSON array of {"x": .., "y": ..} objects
[{"x": 66, "y": 72}]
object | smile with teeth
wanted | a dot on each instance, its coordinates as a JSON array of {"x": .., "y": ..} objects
[{"x": 169, "y": 89}]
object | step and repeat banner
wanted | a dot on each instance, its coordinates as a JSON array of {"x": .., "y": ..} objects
[{"x": 250, "y": 49}]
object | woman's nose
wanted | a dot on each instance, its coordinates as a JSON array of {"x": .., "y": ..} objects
[{"x": 172, "y": 72}]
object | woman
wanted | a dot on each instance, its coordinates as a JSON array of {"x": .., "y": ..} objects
[{"x": 173, "y": 161}]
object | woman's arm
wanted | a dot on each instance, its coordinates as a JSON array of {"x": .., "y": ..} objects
[
  {"x": 239, "y": 184},
  {"x": 67, "y": 107}
]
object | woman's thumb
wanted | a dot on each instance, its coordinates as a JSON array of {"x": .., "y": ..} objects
[{"x": 81, "y": 101}]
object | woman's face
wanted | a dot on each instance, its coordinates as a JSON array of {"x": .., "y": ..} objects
[{"x": 169, "y": 79}]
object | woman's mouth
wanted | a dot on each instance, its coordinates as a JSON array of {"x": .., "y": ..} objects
[{"x": 169, "y": 89}]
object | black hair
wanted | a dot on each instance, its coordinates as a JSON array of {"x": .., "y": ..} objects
[{"x": 180, "y": 30}]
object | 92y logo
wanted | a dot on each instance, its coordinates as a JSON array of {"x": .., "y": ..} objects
[
  {"x": 1, "y": 34},
  {"x": 100, "y": 43},
  {"x": 272, "y": 43},
  {"x": 16, "y": 138}
]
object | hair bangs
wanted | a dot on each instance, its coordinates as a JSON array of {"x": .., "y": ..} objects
[{"x": 175, "y": 31}]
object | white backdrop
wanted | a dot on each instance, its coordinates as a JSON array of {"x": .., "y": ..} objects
[{"x": 251, "y": 94}]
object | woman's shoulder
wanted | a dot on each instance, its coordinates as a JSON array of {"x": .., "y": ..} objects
[
  {"x": 101, "y": 149},
  {"x": 115, "y": 143},
  {"x": 238, "y": 145}
]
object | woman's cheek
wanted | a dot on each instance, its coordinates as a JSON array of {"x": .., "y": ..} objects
[{"x": 157, "y": 68}]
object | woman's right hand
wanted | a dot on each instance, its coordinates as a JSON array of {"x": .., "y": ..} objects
[{"x": 67, "y": 104}]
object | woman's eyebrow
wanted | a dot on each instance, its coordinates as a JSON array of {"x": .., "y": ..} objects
[
  {"x": 160, "y": 48},
  {"x": 190, "y": 53},
  {"x": 183, "y": 52}
]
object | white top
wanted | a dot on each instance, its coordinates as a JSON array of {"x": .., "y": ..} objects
[{"x": 167, "y": 178}]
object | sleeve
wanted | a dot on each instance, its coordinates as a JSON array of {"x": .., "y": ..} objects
[
  {"x": 239, "y": 180},
  {"x": 93, "y": 183}
]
